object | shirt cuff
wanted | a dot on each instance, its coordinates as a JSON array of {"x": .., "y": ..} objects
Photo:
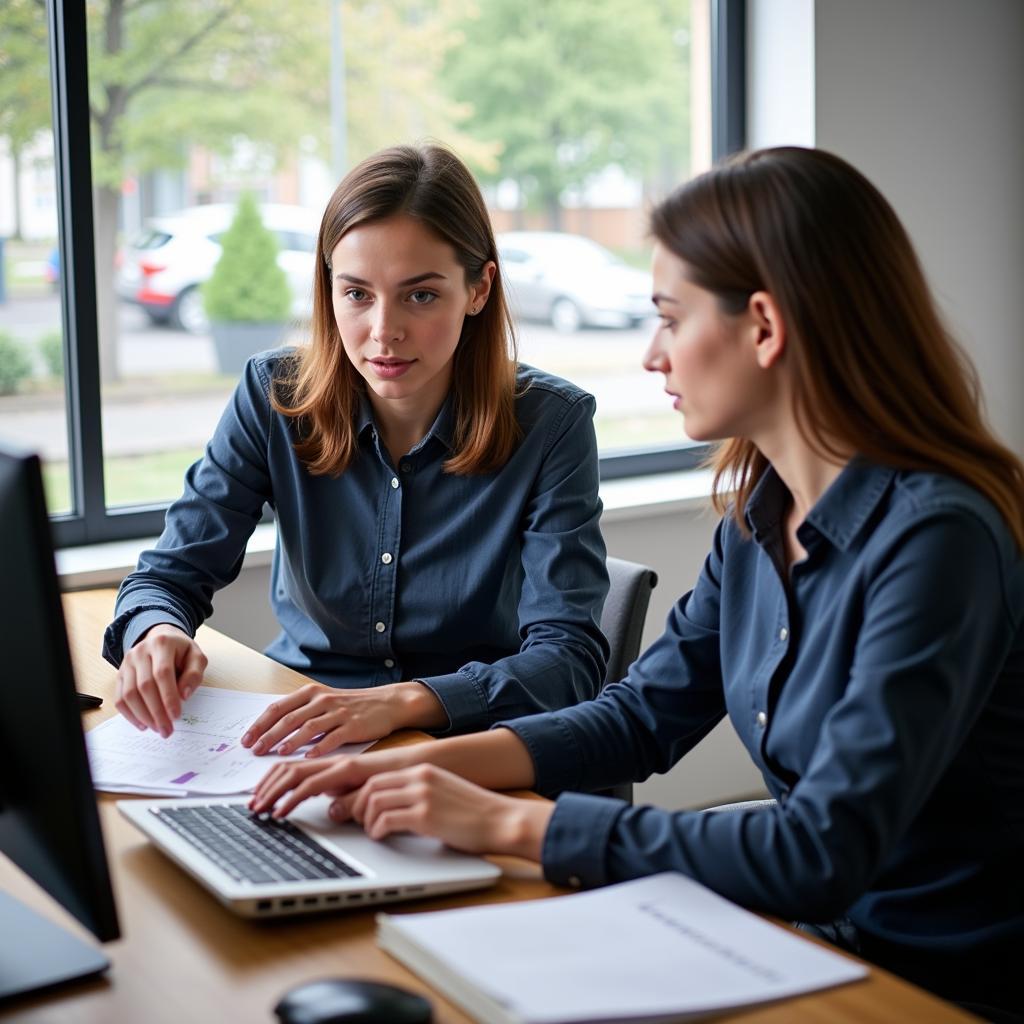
[
  {"x": 557, "y": 758},
  {"x": 575, "y": 849},
  {"x": 463, "y": 700}
]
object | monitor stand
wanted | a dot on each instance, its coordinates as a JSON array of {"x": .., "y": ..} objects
[{"x": 38, "y": 954}]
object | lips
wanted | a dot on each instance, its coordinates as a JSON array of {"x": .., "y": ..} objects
[{"x": 390, "y": 369}]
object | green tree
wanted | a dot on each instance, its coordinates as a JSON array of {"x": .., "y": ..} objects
[
  {"x": 394, "y": 55},
  {"x": 24, "y": 85},
  {"x": 247, "y": 284},
  {"x": 569, "y": 88},
  {"x": 166, "y": 75}
]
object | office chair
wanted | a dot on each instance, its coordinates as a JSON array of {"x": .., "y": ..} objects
[{"x": 622, "y": 622}]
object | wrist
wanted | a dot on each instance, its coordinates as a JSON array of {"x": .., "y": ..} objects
[
  {"x": 520, "y": 826},
  {"x": 417, "y": 707}
]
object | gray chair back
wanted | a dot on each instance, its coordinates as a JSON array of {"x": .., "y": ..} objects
[{"x": 622, "y": 622}]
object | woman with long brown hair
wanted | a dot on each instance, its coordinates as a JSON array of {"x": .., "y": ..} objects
[
  {"x": 439, "y": 562},
  {"x": 859, "y": 616}
]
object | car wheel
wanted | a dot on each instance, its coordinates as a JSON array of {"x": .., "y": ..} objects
[
  {"x": 189, "y": 313},
  {"x": 565, "y": 316}
]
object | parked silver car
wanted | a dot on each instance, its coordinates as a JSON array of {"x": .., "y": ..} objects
[
  {"x": 164, "y": 267},
  {"x": 571, "y": 281}
]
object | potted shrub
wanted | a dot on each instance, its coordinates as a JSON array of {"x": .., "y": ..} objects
[
  {"x": 247, "y": 298},
  {"x": 15, "y": 364}
]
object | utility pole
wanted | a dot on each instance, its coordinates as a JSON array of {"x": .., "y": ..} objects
[{"x": 339, "y": 113}]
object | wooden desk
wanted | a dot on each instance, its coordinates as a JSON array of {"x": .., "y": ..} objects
[{"x": 186, "y": 958}]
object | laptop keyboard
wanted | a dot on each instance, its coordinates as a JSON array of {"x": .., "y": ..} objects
[{"x": 254, "y": 848}]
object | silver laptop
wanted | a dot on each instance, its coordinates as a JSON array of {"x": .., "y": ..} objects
[{"x": 262, "y": 868}]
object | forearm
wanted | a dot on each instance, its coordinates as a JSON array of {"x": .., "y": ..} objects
[{"x": 497, "y": 759}]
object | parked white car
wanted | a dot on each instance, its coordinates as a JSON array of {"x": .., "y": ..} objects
[
  {"x": 175, "y": 253},
  {"x": 571, "y": 281}
]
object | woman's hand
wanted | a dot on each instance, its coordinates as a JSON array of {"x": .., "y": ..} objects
[
  {"x": 342, "y": 716},
  {"x": 387, "y": 794},
  {"x": 287, "y": 784},
  {"x": 156, "y": 675},
  {"x": 431, "y": 801}
]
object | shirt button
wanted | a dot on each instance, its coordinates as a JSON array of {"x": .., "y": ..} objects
[
  {"x": 783, "y": 633},
  {"x": 380, "y": 627},
  {"x": 574, "y": 881},
  {"x": 394, "y": 481},
  {"x": 762, "y": 719},
  {"x": 386, "y": 558},
  {"x": 389, "y": 662},
  {"x": 405, "y": 467}
]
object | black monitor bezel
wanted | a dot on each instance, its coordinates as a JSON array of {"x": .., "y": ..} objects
[{"x": 49, "y": 823}]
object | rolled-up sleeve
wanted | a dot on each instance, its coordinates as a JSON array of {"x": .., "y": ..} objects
[
  {"x": 563, "y": 653},
  {"x": 206, "y": 529}
]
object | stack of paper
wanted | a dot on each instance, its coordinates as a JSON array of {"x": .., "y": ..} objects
[
  {"x": 656, "y": 949},
  {"x": 203, "y": 756}
]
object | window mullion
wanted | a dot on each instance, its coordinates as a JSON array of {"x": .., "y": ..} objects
[
  {"x": 69, "y": 75},
  {"x": 728, "y": 77}
]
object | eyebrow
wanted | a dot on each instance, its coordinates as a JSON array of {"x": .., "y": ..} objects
[
  {"x": 658, "y": 299},
  {"x": 419, "y": 278}
]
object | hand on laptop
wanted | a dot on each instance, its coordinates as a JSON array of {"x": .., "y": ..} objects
[
  {"x": 156, "y": 675},
  {"x": 287, "y": 784},
  {"x": 342, "y": 716},
  {"x": 432, "y": 801},
  {"x": 386, "y": 794}
]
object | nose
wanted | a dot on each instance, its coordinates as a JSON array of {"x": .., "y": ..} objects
[
  {"x": 386, "y": 327},
  {"x": 655, "y": 359}
]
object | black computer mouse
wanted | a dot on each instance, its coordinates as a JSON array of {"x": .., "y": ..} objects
[{"x": 351, "y": 1001}]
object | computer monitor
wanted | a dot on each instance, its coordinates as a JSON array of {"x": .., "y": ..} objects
[{"x": 49, "y": 825}]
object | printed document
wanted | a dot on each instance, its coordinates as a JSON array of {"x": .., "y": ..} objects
[
  {"x": 203, "y": 756},
  {"x": 658, "y": 948}
]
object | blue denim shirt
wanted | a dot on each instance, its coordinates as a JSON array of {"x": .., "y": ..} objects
[
  {"x": 879, "y": 687},
  {"x": 487, "y": 588}
]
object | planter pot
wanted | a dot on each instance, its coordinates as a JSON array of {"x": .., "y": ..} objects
[{"x": 235, "y": 340}]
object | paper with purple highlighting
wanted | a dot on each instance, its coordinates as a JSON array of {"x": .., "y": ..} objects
[{"x": 203, "y": 756}]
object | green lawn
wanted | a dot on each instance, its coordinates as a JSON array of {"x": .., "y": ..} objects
[
  {"x": 130, "y": 480},
  {"x": 157, "y": 478}
]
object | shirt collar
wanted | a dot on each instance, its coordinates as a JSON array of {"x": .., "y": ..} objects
[
  {"x": 442, "y": 427},
  {"x": 839, "y": 514}
]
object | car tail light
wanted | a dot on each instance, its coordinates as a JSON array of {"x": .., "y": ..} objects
[{"x": 148, "y": 268}]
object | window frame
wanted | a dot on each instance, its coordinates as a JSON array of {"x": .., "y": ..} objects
[{"x": 91, "y": 521}]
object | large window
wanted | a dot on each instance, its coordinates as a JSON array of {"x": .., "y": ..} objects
[{"x": 574, "y": 116}]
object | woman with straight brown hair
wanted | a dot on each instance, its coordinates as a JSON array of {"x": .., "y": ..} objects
[
  {"x": 859, "y": 616},
  {"x": 439, "y": 562}
]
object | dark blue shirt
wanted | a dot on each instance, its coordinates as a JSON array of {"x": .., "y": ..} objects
[
  {"x": 487, "y": 588},
  {"x": 879, "y": 687}
]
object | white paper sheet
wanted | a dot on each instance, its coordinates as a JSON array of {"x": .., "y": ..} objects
[{"x": 203, "y": 756}]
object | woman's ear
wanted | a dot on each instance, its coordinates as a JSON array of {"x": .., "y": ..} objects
[
  {"x": 480, "y": 289},
  {"x": 770, "y": 330}
]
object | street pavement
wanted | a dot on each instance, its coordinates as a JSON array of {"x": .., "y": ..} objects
[{"x": 167, "y": 411}]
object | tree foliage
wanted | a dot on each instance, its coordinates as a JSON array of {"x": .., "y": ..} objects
[
  {"x": 394, "y": 55},
  {"x": 247, "y": 284},
  {"x": 568, "y": 88},
  {"x": 24, "y": 72}
]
